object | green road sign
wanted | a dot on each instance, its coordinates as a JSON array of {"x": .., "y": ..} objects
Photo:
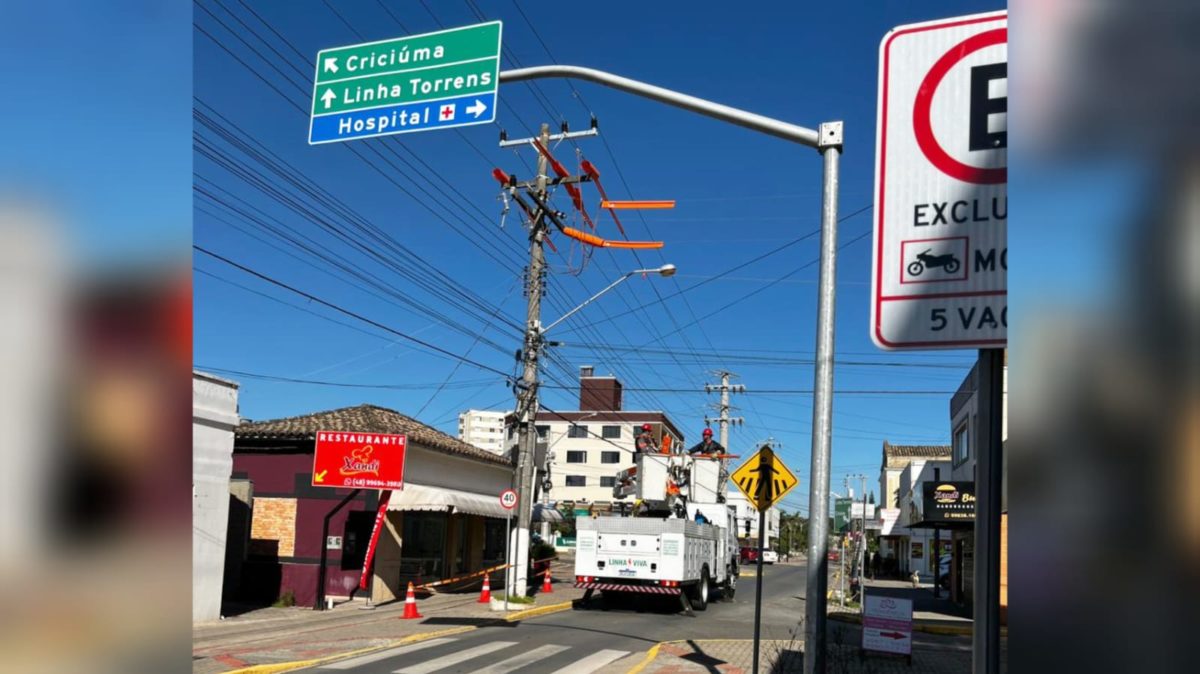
[{"x": 416, "y": 83}]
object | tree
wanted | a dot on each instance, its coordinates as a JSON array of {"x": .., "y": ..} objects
[{"x": 872, "y": 499}]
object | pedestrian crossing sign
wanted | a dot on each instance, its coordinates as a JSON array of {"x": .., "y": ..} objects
[{"x": 764, "y": 479}]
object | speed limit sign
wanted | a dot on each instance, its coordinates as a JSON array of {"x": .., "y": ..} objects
[{"x": 508, "y": 499}]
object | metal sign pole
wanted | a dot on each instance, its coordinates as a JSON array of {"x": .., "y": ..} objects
[
  {"x": 822, "y": 427},
  {"x": 762, "y": 518},
  {"x": 988, "y": 469},
  {"x": 507, "y": 556}
]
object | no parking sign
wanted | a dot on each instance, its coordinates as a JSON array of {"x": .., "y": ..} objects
[{"x": 939, "y": 271}]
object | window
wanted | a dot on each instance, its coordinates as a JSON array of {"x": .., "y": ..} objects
[
  {"x": 937, "y": 474},
  {"x": 576, "y": 481},
  {"x": 542, "y": 432},
  {"x": 610, "y": 432},
  {"x": 577, "y": 431},
  {"x": 610, "y": 457},
  {"x": 608, "y": 481},
  {"x": 962, "y": 448},
  {"x": 576, "y": 457}
]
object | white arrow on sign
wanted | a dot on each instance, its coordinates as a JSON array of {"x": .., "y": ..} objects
[
  {"x": 477, "y": 108},
  {"x": 328, "y": 97},
  {"x": 331, "y": 64}
]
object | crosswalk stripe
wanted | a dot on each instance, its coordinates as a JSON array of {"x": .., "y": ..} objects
[
  {"x": 455, "y": 658},
  {"x": 592, "y": 662},
  {"x": 384, "y": 655},
  {"x": 519, "y": 661}
]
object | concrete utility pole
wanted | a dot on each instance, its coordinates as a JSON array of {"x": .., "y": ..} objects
[
  {"x": 723, "y": 407},
  {"x": 724, "y": 419},
  {"x": 527, "y": 394}
]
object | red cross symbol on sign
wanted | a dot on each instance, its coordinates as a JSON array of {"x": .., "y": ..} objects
[{"x": 447, "y": 112}]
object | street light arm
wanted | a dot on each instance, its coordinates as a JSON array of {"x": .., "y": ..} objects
[
  {"x": 725, "y": 113},
  {"x": 588, "y": 301}
]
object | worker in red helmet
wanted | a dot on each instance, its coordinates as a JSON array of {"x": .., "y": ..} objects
[
  {"x": 646, "y": 443},
  {"x": 707, "y": 445}
]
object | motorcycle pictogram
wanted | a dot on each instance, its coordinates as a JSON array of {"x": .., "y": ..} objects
[{"x": 924, "y": 261}]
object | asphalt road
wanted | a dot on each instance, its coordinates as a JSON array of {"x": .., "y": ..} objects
[{"x": 586, "y": 640}]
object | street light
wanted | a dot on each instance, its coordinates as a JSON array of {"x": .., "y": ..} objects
[
  {"x": 665, "y": 271},
  {"x": 527, "y": 407}
]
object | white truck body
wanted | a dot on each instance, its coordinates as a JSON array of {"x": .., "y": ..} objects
[{"x": 657, "y": 555}]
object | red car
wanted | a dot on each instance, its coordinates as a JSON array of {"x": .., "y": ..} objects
[
  {"x": 749, "y": 554},
  {"x": 833, "y": 555}
]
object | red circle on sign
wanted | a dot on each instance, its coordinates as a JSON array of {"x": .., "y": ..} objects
[
  {"x": 508, "y": 499},
  {"x": 922, "y": 108}
]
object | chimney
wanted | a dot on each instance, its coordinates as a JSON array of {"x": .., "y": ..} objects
[{"x": 598, "y": 394}]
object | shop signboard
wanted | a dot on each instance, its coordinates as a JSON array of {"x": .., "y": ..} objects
[
  {"x": 949, "y": 502},
  {"x": 359, "y": 460},
  {"x": 887, "y": 624}
]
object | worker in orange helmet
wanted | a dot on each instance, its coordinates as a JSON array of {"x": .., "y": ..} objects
[{"x": 707, "y": 445}]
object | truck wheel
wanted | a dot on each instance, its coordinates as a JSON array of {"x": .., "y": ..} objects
[
  {"x": 730, "y": 585},
  {"x": 699, "y": 591}
]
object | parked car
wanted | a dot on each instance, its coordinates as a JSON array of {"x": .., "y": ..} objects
[
  {"x": 749, "y": 554},
  {"x": 833, "y": 556},
  {"x": 770, "y": 556}
]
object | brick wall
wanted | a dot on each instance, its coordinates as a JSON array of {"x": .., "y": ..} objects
[{"x": 273, "y": 527}]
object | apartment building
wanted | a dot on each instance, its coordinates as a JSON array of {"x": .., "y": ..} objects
[
  {"x": 483, "y": 428},
  {"x": 587, "y": 447}
]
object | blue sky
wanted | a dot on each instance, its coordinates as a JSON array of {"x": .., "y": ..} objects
[{"x": 430, "y": 196}]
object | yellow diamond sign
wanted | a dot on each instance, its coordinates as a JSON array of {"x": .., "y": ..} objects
[{"x": 764, "y": 479}]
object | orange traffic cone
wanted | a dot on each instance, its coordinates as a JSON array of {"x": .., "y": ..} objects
[
  {"x": 410, "y": 605},
  {"x": 546, "y": 589},
  {"x": 485, "y": 597}
]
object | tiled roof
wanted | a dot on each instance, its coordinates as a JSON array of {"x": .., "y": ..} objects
[
  {"x": 916, "y": 451},
  {"x": 365, "y": 418}
]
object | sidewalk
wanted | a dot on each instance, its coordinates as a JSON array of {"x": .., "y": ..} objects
[
  {"x": 736, "y": 656},
  {"x": 273, "y": 636},
  {"x": 935, "y": 616}
]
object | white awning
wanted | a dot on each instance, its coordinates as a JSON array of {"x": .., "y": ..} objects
[
  {"x": 421, "y": 497},
  {"x": 544, "y": 513}
]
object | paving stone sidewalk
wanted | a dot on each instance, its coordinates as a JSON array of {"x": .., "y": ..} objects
[
  {"x": 778, "y": 657},
  {"x": 278, "y": 635}
]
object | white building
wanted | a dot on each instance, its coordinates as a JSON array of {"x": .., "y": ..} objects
[
  {"x": 214, "y": 417},
  {"x": 747, "y": 519},
  {"x": 482, "y": 428},
  {"x": 587, "y": 447},
  {"x": 902, "y": 475}
]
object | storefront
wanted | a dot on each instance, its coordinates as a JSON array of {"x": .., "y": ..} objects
[
  {"x": 948, "y": 510},
  {"x": 446, "y": 521}
]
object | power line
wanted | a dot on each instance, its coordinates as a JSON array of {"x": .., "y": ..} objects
[{"x": 335, "y": 307}]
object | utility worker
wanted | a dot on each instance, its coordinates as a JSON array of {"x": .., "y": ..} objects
[
  {"x": 707, "y": 446},
  {"x": 645, "y": 441}
]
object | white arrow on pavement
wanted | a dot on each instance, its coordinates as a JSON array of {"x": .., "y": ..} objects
[
  {"x": 331, "y": 64},
  {"x": 477, "y": 108},
  {"x": 328, "y": 97}
]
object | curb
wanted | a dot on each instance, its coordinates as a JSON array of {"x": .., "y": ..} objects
[
  {"x": 539, "y": 610},
  {"x": 952, "y": 630},
  {"x": 650, "y": 655},
  {"x": 276, "y": 667}
]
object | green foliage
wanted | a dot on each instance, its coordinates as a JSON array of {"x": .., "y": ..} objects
[
  {"x": 285, "y": 600},
  {"x": 540, "y": 551}
]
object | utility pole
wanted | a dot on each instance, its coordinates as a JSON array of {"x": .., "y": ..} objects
[
  {"x": 539, "y": 213},
  {"x": 527, "y": 394},
  {"x": 723, "y": 419}
]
